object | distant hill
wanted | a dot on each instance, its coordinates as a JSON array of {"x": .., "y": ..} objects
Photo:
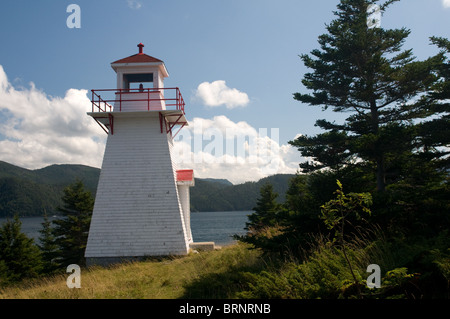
[
  {"x": 34, "y": 192},
  {"x": 216, "y": 180},
  {"x": 216, "y": 196}
]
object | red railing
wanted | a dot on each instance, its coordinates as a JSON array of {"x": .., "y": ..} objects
[{"x": 171, "y": 96}]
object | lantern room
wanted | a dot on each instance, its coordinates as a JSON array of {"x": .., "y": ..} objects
[
  {"x": 140, "y": 71},
  {"x": 140, "y": 88}
]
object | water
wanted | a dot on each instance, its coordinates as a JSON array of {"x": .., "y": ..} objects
[{"x": 218, "y": 227}]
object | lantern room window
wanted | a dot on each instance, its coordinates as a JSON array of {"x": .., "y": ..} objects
[{"x": 133, "y": 81}]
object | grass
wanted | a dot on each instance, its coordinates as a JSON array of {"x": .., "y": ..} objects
[
  {"x": 236, "y": 271},
  {"x": 164, "y": 278}
]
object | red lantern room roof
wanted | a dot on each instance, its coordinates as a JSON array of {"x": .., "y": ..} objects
[{"x": 141, "y": 57}]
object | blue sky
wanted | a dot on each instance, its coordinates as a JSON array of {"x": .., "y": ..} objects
[{"x": 251, "y": 45}]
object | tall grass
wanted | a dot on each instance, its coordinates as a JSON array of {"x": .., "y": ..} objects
[
  {"x": 323, "y": 270},
  {"x": 237, "y": 271},
  {"x": 163, "y": 278}
]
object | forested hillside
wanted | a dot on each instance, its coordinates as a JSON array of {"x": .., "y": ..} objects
[
  {"x": 35, "y": 192},
  {"x": 216, "y": 196}
]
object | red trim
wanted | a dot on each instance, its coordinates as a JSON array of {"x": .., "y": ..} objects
[
  {"x": 101, "y": 125},
  {"x": 100, "y": 105},
  {"x": 171, "y": 96},
  {"x": 108, "y": 128},
  {"x": 140, "y": 46},
  {"x": 161, "y": 118},
  {"x": 185, "y": 175},
  {"x": 174, "y": 123},
  {"x": 111, "y": 123},
  {"x": 138, "y": 58},
  {"x": 182, "y": 125}
]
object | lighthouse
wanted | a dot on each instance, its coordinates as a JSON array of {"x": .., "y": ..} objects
[{"x": 142, "y": 202}]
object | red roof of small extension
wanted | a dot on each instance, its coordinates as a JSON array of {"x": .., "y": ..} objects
[
  {"x": 185, "y": 175},
  {"x": 138, "y": 58}
]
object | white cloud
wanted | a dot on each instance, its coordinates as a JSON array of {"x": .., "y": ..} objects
[
  {"x": 446, "y": 3},
  {"x": 37, "y": 130},
  {"x": 218, "y": 93},
  {"x": 134, "y": 4},
  {"x": 221, "y": 148}
]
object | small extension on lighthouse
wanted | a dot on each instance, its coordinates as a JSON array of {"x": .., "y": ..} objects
[{"x": 142, "y": 202}]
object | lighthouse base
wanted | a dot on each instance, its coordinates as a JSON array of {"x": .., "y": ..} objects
[
  {"x": 203, "y": 246},
  {"x": 111, "y": 261}
]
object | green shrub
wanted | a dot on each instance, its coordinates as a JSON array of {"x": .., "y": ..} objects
[{"x": 324, "y": 273}]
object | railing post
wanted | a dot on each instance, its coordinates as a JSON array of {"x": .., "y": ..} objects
[{"x": 178, "y": 99}]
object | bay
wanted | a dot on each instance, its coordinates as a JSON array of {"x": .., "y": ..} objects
[{"x": 218, "y": 227}]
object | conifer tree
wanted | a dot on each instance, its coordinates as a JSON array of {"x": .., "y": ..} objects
[
  {"x": 19, "y": 257},
  {"x": 71, "y": 231},
  {"x": 433, "y": 136},
  {"x": 363, "y": 71},
  {"x": 265, "y": 210},
  {"x": 263, "y": 225},
  {"x": 48, "y": 247}
]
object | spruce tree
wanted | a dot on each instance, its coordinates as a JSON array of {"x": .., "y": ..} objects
[
  {"x": 363, "y": 71},
  {"x": 19, "y": 257},
  {"x": 48, "y": 247},
  {"x": 262, "y": 225},
  {"x": 433, "y": 136},
  {"x": 71, "y": 231},
  {"x": 265, "y": 210}
]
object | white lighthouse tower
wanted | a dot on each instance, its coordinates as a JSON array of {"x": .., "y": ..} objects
[{"x": 142, "y": 201}]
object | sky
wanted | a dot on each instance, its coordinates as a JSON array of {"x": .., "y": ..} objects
[{"x": 236, "y": 63}]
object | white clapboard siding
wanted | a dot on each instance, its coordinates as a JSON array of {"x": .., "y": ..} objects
[
  {"x": 137, "y": 210},
  {"x": 184, "y": 195}
]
